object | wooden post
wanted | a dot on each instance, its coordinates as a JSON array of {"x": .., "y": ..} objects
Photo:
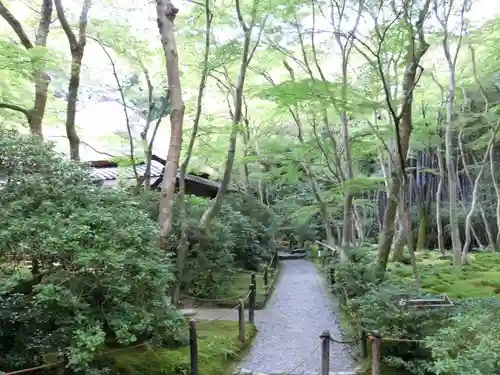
[
  {"x": 376, "y": 339},
  {"x": 363, "y": 343},
  {"x": 251, "y": 304},
  {"x": 325, "y": 353},
  {"x": 253, "y": 279},
  {"x": 193, "y": 347},
  {"x": 266, "y": 278},
  {"x": 332, "y": 276},
  {"x": 241, "y": 321}
]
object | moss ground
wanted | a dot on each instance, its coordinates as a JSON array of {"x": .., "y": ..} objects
[
  {"x": 218, "y": 346},
  {"x": 481, "y": 278},
  {"x": 240, "y": 288}
]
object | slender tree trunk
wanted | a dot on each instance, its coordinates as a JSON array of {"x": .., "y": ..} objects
[
  {"x": 77, "y": 48},
  {"x": 403, "y": 125},
  {"x": 34, "y": 115},
  {"x": 183, "y": 248},
  {"x": 42, "y": 79},
  {"x": 468, "y": 220},
  {"x": 246, "y": 58},
  {"x": 166, "y": 13},
  {"x": 489, "y": 233},
  {"x": 450, "y": 132},
  {"x": 439, "y": 221},
  {"x": 422, "y": 228},
  {"x": 497, "y": 194},
  {"x": 144, "y": 133},
  {"x": 74, "y": 84}
]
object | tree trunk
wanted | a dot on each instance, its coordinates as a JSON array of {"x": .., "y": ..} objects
[
  {"x": 450, "y": 133},
  {"x": 35, "y": 115},
  {"x": 166, "y": 13},
  {"x": 403, "y": 125},
  {"x": 497, "y": 194},
  {"x": 422, "y": 228},
  {"x": 486, "y": 224},
  {"x": 246, "y": 58},
  {"x": 468, "y": 220},
  {"x": 74, "y": 84},
  {"x": 42, "y": 79},
  {"x": 400, "y": 240},
  {"x": 183, "y": 247},
  {"x": 77, "y": 48},
  {"x": 439, "y": 221}
]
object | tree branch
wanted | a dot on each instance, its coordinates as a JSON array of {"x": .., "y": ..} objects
[
  {"x": 73, "y": 43},
  {"x": 16, "y": 26},
  {"x": 17, "y": 108}
]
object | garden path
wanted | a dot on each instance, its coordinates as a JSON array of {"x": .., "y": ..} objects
[{"x": 289, "y": 327}]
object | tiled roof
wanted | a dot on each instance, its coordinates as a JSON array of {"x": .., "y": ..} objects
[{"x": 112, "y": 173}]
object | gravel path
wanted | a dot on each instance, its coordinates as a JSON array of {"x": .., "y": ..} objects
[{"x": 289, "y": 327}]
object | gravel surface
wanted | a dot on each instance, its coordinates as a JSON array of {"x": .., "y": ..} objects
[{"x": 299, "y": 310}]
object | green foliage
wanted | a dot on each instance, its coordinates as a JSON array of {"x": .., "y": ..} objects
[
  {"x": 97, "y": 277},
  {"x": 354, "y": 278},
  {"x": 479, "y": 279},
  {"x": 239, "y": 237},
  {"x": 217, "y": 344},
  {"x": 466, "y": 344},
  {"x": 452, "y": 341}
]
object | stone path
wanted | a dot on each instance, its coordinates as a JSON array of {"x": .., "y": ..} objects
[{"x": 289, "y": 327}]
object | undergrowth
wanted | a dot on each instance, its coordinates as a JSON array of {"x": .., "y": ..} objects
[
  {"x": 218, "y": 345},
  {"x": 454, "y": 340}
]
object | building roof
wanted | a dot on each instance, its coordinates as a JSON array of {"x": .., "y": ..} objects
[{"x": 108, "y": 170}]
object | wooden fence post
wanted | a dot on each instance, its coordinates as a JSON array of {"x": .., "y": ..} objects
[
  {"x": 332, "y": 276},
  {"x": 376, "y": 339},
  {"x": 241, "y": 321},
  {"x": 193, "y": 347},
  {"x": 325, "y": 352},
  {"x": 266, "y": 278},
  {"x": 251, "y": 304},
  {"x": 363, "y": 343}
]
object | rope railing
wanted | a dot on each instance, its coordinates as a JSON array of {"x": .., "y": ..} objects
[
  {"x": 269, "y": 271},
  {"x": 376, "y": 342},
  {"x": 247, "y": 299},
  {"x": 59, "y": 363},
  {"x": 238, "y": 297}
]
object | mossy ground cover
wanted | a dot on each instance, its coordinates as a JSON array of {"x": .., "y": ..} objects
[
  {"x": 480, "y": 278},
  {"x": 240, "y": 286},
  {"x": 218, "y": 347}
]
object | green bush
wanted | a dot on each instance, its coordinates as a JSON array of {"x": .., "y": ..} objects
[
  {"x": 454, "y": 340},
  {"x": 240, "y": 237},
  {"x": 469, "y": 341},
  {"x": 353, "y": 278},
  {"x": 378, "y": 311},
  {"x": 97, "y": 277}
]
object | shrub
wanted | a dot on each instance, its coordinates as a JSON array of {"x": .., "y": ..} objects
[
  {"x": 97, "y": 277},
  {"x": 353, "y": 278},
  {"x": 456, "y": 341},
  {"x": 239, "y": 237},
  {"x": 469, "y": 342}
]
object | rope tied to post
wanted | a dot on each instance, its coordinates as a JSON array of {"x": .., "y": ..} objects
[
  {"x": 355, "y": 341},
  {"x": 213, "y": 299},
  {"x": 206, "y": 322},
  {"x": 371, "y": 338}
]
